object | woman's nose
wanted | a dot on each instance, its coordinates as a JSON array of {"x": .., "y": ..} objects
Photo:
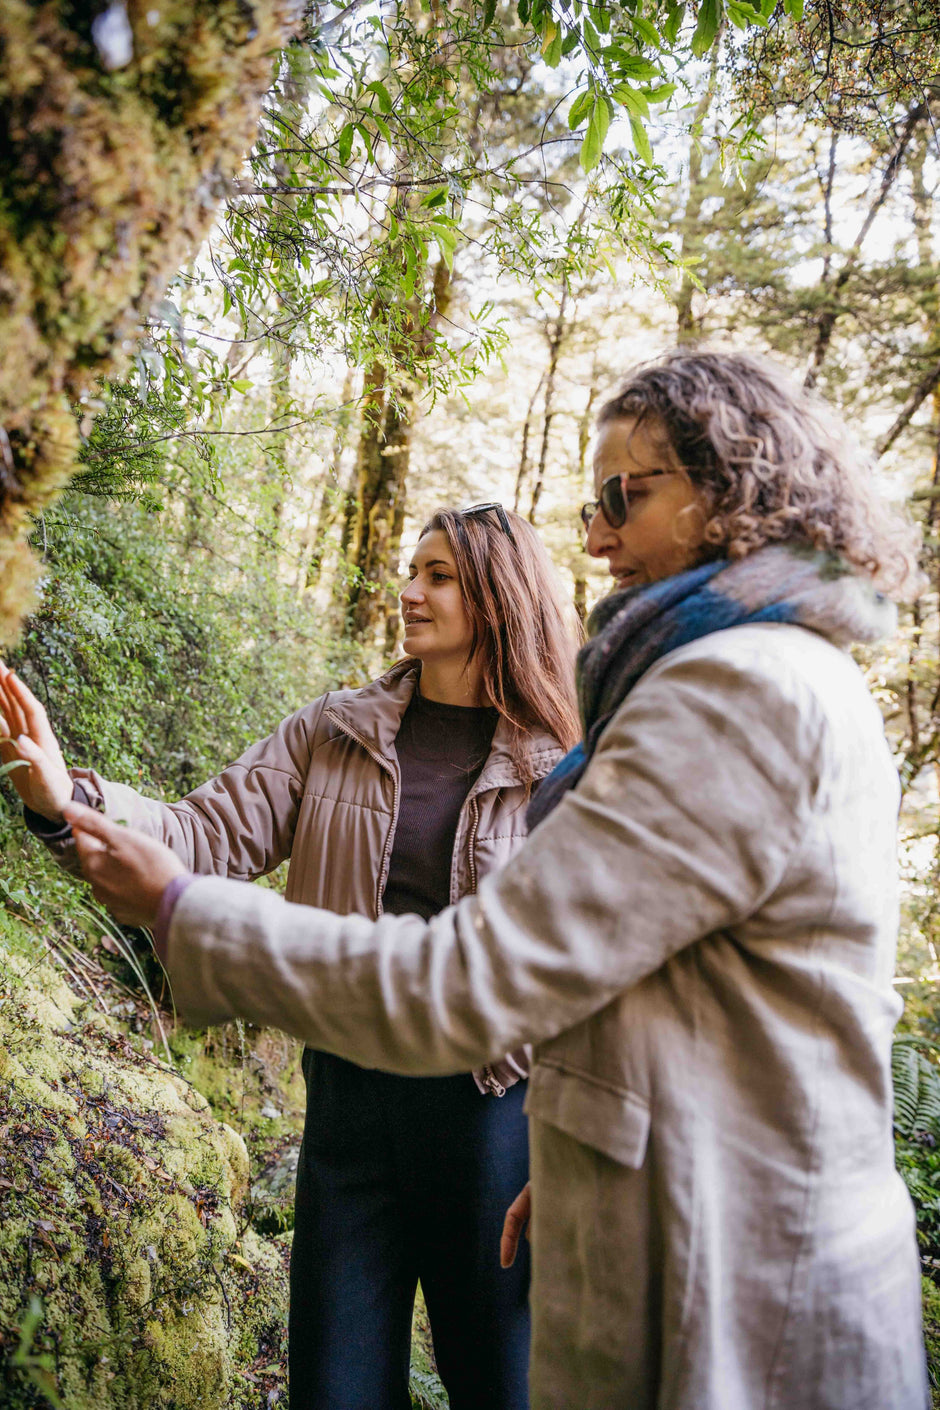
[
  {"x": 411, "y": 592},
  {"x": 601, "y": 538}
]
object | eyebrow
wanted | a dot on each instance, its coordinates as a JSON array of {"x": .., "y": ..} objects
[
  {"x": 433, "y": 563},
  {"x": 647, "y": 475}
]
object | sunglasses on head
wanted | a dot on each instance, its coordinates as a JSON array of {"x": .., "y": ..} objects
[
  {"x": 497, "y": 509},
  {"x": 614, "y": 501}
]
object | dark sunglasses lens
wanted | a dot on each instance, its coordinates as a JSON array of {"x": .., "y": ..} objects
[{"x": 613, "y": 503}]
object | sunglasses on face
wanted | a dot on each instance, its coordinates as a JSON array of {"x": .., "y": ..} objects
[
  {"x": 614, "y": 499},
  {"x": 498, "y": 510}
]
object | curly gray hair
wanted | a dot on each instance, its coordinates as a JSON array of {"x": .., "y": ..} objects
[{"x": 774, "y": 463}]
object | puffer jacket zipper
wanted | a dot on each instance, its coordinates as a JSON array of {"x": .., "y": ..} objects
[
  {"x": 472, "y": 843},
  {"x": 396, "y": 786}
]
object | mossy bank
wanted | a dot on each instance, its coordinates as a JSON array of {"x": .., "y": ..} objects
[{"x": 130, "y": 1277}]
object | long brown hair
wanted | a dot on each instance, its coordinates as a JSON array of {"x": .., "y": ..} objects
[
  {"x": 524, "y": 634},
  {"x": 774, "y": 463}
]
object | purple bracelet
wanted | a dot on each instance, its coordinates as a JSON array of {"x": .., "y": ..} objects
[{"x": 161, "y": 926}]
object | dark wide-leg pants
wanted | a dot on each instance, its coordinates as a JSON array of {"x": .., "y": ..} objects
[{"x": 401, "y": 1179}]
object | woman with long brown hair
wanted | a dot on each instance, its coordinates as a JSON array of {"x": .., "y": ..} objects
[{"x": 397, "y": 797}]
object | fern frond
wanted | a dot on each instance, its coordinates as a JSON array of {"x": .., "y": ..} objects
[{"x": 916, "y": 1087}]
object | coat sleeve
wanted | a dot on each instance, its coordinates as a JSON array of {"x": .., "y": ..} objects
[
  {"x": 683, "y": 824},
  {"x": 240, "y": 824}
]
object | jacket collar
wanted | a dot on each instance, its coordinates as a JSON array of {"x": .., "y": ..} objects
[{"x": 374, "y": 713}]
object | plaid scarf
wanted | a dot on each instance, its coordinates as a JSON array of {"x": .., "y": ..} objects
[{"x": 629, "y": 631}]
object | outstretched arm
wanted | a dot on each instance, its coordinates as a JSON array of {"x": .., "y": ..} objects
[
  {"x": 699, "y": 794},
  {"x": 240, "y": 824}
]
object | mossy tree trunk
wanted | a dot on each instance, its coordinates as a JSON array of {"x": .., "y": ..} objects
[
  {"x": 117, "y": 142},
  {"x": 389, "y": 406}
]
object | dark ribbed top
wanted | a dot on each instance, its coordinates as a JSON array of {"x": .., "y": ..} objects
[{"x": 441, "y": 751}]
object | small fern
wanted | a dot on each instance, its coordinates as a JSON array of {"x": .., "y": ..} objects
[
  {"x": 916, "y": 1087},
  {"x": 427, "y": 1393}
]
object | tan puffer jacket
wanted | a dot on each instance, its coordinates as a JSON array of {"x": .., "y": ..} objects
[{"x": 323, "y": 790}]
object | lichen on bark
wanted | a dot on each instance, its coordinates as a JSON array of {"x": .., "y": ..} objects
[{"x": 109, "y": 178}]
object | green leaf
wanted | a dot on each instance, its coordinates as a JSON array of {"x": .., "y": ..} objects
[
  {"x": 552, "y": 38},
  {"x": 593, "y": 144},
  {"x": 742, "y": 15},
  {"x": 411, "y": 267},
  {"x": 241, "y": 384},
  {"x": 437, "y": 197},
  {"x": 793, "y": 8},
  {"x": 660, "y": 94},
  {"x": 345, "y": 141},
  {"x": 572, "y": 40},
  {"x": 579, "y": 109},
  {"x": 603, "y": 111},
  {"x": 673, "y": 21},
  {"x": 632, "y": 99},
  {"x": 590, "y": 149},
  {"x": 632, "y": 66},
  {"x": 489, "y": 13},
  {"x": 641, "y": 141},
  {"x": 366, "y": 136},
  {"x": 523, "y": 10},
  {"x": 446, "y": 237},
  {"x": 381, "y": 92},
  {"x": 600, "y": 14},
  {"x": 645, "y": 30},
  {"x": 592, "y": 40},
  {"x": 709, "y": 20},
  {"x": 383, "y": 127}
]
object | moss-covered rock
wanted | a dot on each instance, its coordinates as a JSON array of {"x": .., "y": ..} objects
[
  {"x": 932, "y": 1337},
  {"x": 130, "y": 1278},
  {"x": 114, "y": 154}
]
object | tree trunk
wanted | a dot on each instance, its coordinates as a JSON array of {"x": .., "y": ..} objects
[
  {"x": 523, "y": 471},
  {"x": 825, "y": 324},
  {"x": 107, "y": 188},
  {"x": 382, "y": 472},
  {"x": 332, "y": 498},
  {"x": 691, "y": 219},
  {"x": 556, "y": 340}
]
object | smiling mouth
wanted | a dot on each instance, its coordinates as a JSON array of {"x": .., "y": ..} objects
[
  {"x": 628, "y": 578},
  {"x": 417, "y": 621}
]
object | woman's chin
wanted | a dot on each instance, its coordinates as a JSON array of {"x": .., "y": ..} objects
[{"x": 415, "y": 643}]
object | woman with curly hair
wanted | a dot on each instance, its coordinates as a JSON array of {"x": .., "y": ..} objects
[{"x": 698, "y": 935}]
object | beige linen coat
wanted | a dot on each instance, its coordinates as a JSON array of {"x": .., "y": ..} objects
[
  {"x": 323, "y": 790},
  {"x": 700, "y": 939}
]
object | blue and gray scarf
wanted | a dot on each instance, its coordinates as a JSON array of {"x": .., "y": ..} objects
[{"x": 629, "y": 631}]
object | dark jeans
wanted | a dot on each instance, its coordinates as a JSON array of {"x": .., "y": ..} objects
[{"x": 400, "y": 1179}]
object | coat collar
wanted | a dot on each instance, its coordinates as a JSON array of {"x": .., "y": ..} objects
[{"x": 374, "y": 713}]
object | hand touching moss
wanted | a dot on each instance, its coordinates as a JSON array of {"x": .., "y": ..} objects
[
  {"x": 27, "y": 736},
  {"x": 128, "y": 871}
]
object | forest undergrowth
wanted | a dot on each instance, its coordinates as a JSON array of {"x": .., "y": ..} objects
[{"x": 146, "y": 1179}]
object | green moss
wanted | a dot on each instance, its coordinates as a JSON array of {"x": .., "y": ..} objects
[
  {"x": 932, "y": 1337},
  {"x": 107, "y": 183},
  {"x": 119, "y": 1211}
]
